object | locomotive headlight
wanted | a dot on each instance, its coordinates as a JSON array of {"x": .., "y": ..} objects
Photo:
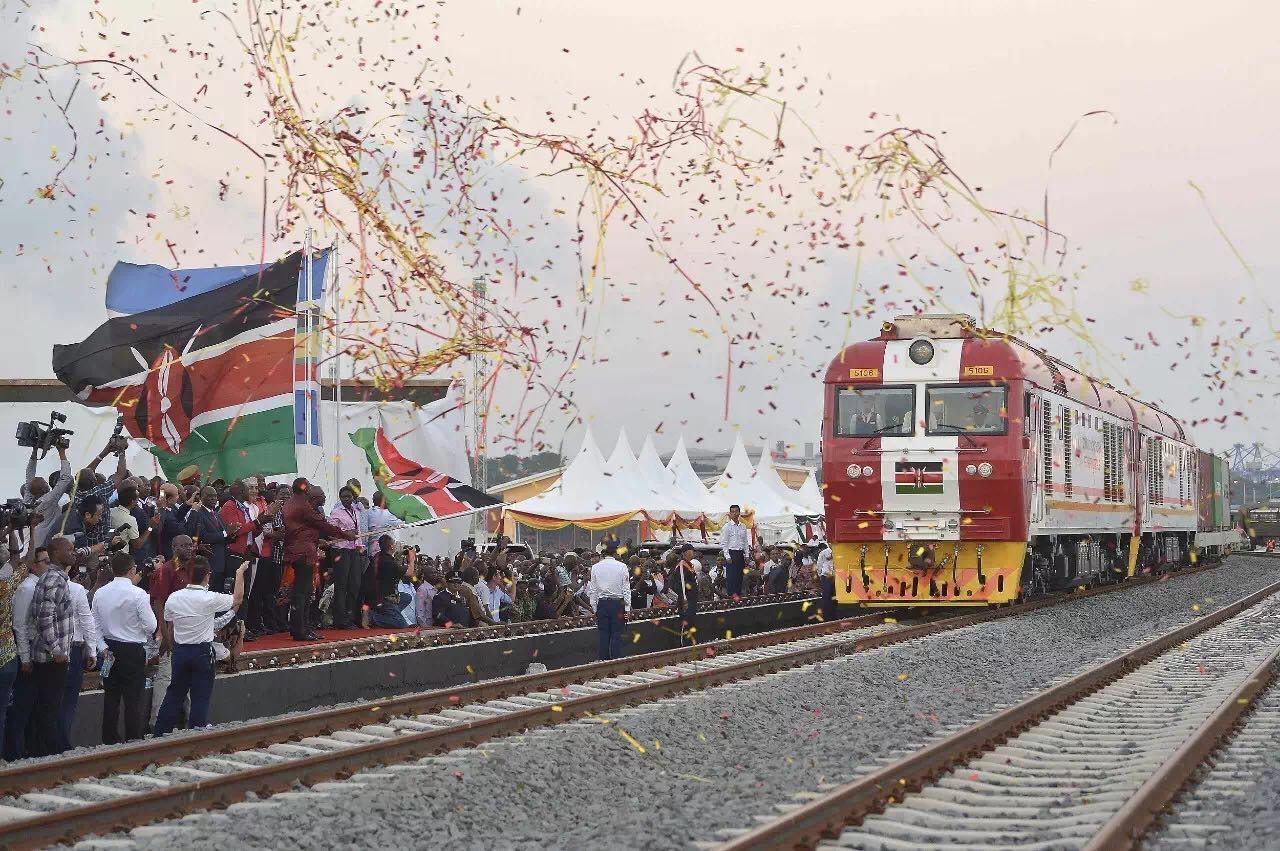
[
  {"x": 867, "y": 471},
  {"x": 888, "y": 524},
  {"x": 984, "y": 469},
  {"x": 921, "y": 352},
  {"x": 953, "y": 523},
  {"x": 854, "y": 471},
  {"x": 971, "y": 470}
]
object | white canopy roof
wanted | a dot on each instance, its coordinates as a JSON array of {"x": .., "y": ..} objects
[
  {"x": 769, "y": 475},
  {"x": 687, "y": 483},
  {"x": 811, "y": 494},
  {"x": 755, "y": 490},
  {"x": 584, "y": 491}
]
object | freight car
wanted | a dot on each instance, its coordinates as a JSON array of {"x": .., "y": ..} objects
[
  {"x": 966, "y": 467},
  {"x": 1261, "y": 523}
]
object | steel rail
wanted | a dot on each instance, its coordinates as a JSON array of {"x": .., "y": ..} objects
[
  {"x": 351, "y": 648},
  {"x": 18, "y": 779},
  {"x": 849, "y": 803},
  {"x": 1124, "y": 829},
  {"x": 178, "y": 799}
]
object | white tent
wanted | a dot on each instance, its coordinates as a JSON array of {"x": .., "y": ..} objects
[
  {"x": 662, "y": 482},
  {"x": 585, "y": 493},
  {"x": 768, "y": 474},
  {"x": 811, "y": 495},
  {"x": 688, "y": 484},
  {"x": 741, "y": 484}
]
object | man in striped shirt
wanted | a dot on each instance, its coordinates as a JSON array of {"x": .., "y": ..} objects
[{"x": 51, "y": 616}]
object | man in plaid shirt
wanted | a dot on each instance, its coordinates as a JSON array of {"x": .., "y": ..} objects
[{"x": 51, "y": 621}]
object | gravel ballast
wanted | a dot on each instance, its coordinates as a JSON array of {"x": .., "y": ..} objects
[{"x": 669, "y": 774}]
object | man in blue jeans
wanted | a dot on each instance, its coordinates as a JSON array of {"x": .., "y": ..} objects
[
  {"x": 609, "y": 591},
  {"x": 189, "y": 614}
]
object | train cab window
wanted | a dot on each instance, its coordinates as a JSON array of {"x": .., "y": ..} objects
[
  {"x": 869, "y": 411},
  {"x": 967, "y": 408}
]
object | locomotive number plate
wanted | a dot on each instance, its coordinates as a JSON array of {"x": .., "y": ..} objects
[
  {"x": 972, "y": 371},
  {"x": 864, "y": 373}
]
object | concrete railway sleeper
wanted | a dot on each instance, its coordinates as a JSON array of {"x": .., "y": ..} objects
[{"x": 1087, "y": 763}]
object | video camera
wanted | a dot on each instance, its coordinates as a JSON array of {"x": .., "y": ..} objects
[
  {"x": 46, "y": 436},
  {"x": 468, "y": 545},
  {"x": 16, "y": 514}
]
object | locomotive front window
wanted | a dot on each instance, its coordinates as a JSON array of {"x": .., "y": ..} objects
[
  {"x": 968, "y": 409},
  {"x": 869, "y": 411}
]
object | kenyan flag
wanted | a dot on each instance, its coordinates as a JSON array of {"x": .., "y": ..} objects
[
  {"x": 206, "y": 380},
  {"x": 918, "y": 477},
  {"x": 414, "y": 492}
]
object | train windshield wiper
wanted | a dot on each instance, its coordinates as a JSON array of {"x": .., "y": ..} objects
[{"x": 960, "y": 431}]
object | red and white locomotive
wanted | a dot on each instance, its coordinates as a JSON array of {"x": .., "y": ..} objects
[{"x": 963, "y": 466}]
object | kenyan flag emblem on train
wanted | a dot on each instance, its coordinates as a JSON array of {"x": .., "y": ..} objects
[{"x": 917, "y": 477}]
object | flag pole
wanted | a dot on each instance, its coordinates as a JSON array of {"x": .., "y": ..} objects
[
  {"x": 308, "y": 356},
  {"x": 376, "y": 532},
  {"x": 337, "y": 371}
]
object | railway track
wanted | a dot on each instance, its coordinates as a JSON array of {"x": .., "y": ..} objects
[
  {"x": 1087, "y": 763},
  {"x": 116, "y": 788},
  {"x": 351, "y": 648}
]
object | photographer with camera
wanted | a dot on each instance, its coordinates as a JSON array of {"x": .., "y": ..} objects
[
  {"x": 47, "y": 495},
  {"x": 95, "y": 536}
]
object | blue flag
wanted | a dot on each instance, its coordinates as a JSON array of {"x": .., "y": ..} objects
[{"x": 136, "y": 289}]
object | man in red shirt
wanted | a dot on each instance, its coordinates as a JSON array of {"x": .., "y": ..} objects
[
  {"x": 238, "y": 514},
  {"x": 165, "y": 579},
  {"x": 304, "y": 526}
]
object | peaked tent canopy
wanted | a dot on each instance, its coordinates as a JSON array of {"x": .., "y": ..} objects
[
  {"x": 768, "y": 474},
  {"x": 585, "y": 496},
  {"x": 811, "y": 494},
  {"x": 688, "y": 484}
]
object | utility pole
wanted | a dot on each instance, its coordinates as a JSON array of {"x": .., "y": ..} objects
[{"x": 479, "y": 372}]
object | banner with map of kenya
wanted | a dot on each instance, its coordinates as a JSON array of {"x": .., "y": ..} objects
[{"x": 413, "y": 492}]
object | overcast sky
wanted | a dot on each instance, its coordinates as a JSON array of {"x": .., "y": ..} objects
[{"x": 1191, "y": 92}]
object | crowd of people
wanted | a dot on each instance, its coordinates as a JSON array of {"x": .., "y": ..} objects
[{"x": 130, "y": 575}]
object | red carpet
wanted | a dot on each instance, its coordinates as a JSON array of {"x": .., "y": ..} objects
[{"x": 282, "y": 640}]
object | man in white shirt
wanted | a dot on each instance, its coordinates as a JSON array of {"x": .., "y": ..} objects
[
  {"x": 735, "y": 540},
  {"x": 609, "y": 591},
  {"x": 24, "y": 688},
  {"x": 124, "y": 615},
  {"x": 827, "y": 582},
  {"x": 86, "y": 642},
  {"x": 189, "y": 614},
  {"x": 380, "y": 522}
]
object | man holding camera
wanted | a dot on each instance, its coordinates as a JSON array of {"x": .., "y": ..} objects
[{"x": 47, "y": 494}]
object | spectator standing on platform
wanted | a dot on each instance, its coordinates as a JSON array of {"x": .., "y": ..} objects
[
  {"x": 609, "y": 591},
  {"x": 238, "y": 515},
  {"x": 735, "y": 541},
  {"x": 189, "y": 619},
  {"x": 127, "y": 620},
  {"x": 168, "y": 577},
  {"x": 205, "y": 526},
  {"x": 266, "y": 582},
  {"x": 86, "y": 644},
  {"x": 24, "y": 686},
  {"x": 121, "y": 518},
  {"x": 496, "y": 598},
  {"x": 303, "y": 528},
  {"x": 423, "y": 597},
  {"x": 348, "y": 560},
  {"x": 52, "y": 614},
  {"x": 172, "y": 508},
  {"x": 380, "y": 520},
  {"x": 827, "y": 582},
  {"x": 684, "y": 582}
]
